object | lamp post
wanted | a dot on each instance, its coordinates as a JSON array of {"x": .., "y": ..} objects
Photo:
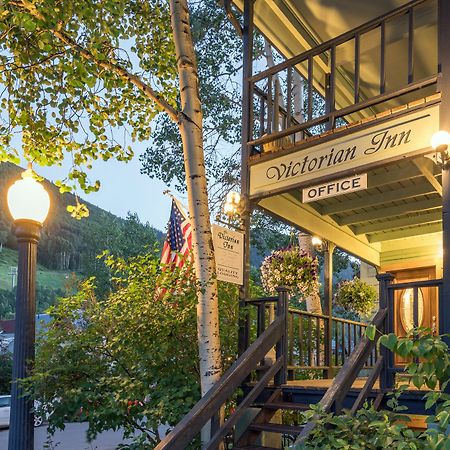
[{"x": 29, "y": 204}]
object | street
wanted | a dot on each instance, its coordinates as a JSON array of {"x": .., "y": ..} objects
[{"x": 72, "y": 438}]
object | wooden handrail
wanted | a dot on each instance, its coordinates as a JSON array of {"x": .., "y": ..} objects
[
  {"x": 209, "y": 404},
  {"x": 343, "y": 381}
]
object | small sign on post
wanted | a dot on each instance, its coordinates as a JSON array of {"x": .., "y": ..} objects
[
  {"x": 229, "y": 253},
  {"x": 334, "y": 188}
]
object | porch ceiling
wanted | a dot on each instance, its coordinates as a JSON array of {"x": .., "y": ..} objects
[
  {"x": 294, "y": 26},
  {"x": 403, "y": 200}
]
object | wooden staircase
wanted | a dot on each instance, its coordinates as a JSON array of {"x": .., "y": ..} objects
[{"x": 262, "y": 422}]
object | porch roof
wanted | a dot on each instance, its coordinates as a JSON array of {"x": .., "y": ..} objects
[{"x": 399, "y": 216}]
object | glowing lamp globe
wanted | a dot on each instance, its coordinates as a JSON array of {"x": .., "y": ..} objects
[
  {"x": 27, "y": 199},
  {"x": 233, "y": 197},
  {"x": 316, "y": 241},
  {"x": 440, "y": 140}
]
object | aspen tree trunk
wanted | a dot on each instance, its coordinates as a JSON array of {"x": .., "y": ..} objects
[{"x": 190, "y": 124}]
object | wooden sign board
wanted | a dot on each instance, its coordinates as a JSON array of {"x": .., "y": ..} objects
[
  {"x": 229, "y": 253},
  {"x": 388, "y": 141},
  {"x": 334, "y": 188}
]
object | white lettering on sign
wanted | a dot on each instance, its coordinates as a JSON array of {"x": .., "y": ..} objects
[
  {"x": 229, "y": 253},
  {"x": 409, "y": 134},
  {"x": 334, "y": 188}
]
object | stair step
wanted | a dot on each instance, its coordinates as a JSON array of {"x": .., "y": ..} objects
[
  {"x": 286, "y": 405},
  {"x": 276, "y": 428}
]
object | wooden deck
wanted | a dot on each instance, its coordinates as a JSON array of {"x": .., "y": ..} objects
[{"x": 326, "y": 383}]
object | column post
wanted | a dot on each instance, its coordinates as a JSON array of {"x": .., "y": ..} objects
[
  {"x": 244, "y": 294},
  {"x": 386, "y": 302},
  {"x": 444, "y": 124}
]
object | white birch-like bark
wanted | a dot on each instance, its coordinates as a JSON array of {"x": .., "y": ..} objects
[{"x": 190, "y": 124}]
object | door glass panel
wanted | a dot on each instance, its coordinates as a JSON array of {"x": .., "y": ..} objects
[{"x": 407, "y": 309}]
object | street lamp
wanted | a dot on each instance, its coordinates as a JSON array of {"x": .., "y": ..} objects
[{"x": 29, "y": 204}]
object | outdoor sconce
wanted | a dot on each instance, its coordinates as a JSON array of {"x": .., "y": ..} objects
[
  {"x": 440, "y": 142},
  {"x": 29, "y": 204},
  {"x": 317, "y": 243},
  {"x": 232, "y": 205}
]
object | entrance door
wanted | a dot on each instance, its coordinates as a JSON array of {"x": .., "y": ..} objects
[{"x": 403, "y": 303}]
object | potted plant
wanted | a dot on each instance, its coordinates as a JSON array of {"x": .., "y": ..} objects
[
  {"x": 290, "y": 267},
  {"x": 356, "y": 296}
]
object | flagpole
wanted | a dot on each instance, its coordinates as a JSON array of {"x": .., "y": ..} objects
[{"x": 167, "y": 192}]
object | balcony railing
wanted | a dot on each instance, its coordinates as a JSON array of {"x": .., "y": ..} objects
[{"x": 377, "y": 67}]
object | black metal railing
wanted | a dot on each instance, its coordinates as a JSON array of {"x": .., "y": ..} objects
[
  {"x": 306, "y": 344},
  {"x": 337, "y": 87}
]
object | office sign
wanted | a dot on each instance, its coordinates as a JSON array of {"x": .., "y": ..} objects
[
  {"x": 334, "y": 188},
  {"x": 391, "y": 140},
  {"x": 229, "y": 253}
]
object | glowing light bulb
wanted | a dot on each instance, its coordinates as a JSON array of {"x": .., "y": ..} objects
[{"x": 27, "y": 199}]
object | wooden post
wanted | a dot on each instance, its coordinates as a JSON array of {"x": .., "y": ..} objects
[
  {"x": 444, "y": 124},
  {"x": 386, "y": 376},
  {"x": 281, "y": 349},
  {"x": 247, "y": 102},
  {"x": 328, "y": 305}
]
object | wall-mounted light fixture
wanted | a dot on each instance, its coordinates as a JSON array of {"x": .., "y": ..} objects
[
  {"x": 440, "y": 142},
  {"x": 317, "y": 243},
  {"x": 232, "y": 204}
]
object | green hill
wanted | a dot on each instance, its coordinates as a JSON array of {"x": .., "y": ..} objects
[
  {"x": 52, "y": 279},
  {"x": 68, "y": 248},
  {"x": 71, "y": 245}
]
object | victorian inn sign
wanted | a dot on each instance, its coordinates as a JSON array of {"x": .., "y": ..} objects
[{"x": 402, "y": 137}]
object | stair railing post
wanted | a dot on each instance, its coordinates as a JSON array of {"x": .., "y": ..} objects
[
  {"x": 281, "y": 349},
  {"x": 386, "y": 302}
]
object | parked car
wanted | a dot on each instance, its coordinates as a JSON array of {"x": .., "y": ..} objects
[{"x": 5, "y": 409}]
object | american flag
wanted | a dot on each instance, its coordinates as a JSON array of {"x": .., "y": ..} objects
[{"x": 178, "y": 242}]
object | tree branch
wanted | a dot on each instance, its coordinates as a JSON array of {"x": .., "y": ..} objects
[{"x": 108, "y": 65}]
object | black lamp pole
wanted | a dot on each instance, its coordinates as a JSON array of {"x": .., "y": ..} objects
[{"x": 21, "y": 430}]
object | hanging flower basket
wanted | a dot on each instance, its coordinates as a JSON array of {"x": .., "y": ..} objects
[
  {"x": 356, "y": 295},
  {"x": 290, "y": 267}
]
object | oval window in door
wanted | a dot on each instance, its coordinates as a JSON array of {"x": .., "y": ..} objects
[{"x": 407, "y": 309}]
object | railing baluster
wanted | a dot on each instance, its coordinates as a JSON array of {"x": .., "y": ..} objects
[
  {"x": 310, "y": 87},
  {"x": 357, "y": 66},
  {"x": 343, "y": 342},
  {"x": 317, "y": 342},
  {"x": 309, "y": 341},
  {"x": 416, "y": 306},
  {"x": 300, "y": 341},
  {"x": 383, "y": 58},
  {"x": 410, "y": 45},
  {"x": 355, "y": 339},
  {"x": 289, "y": 98},
  {"x": 331, "y": 88},
  {"x": 262, "y": 104},
  {"x": 349, "y": 339},
  {"x": 290, "y": 343},
  {"x": 336, "y": 340},
  {"x": 269, "y": 104}
]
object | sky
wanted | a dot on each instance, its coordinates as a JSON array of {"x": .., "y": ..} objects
[{"x": 123, "y": 189}]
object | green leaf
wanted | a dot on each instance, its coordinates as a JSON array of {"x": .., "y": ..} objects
[{"x": 371, "y": 331}]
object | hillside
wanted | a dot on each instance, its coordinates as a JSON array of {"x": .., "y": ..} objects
[{"x": 72, "y": 245}]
